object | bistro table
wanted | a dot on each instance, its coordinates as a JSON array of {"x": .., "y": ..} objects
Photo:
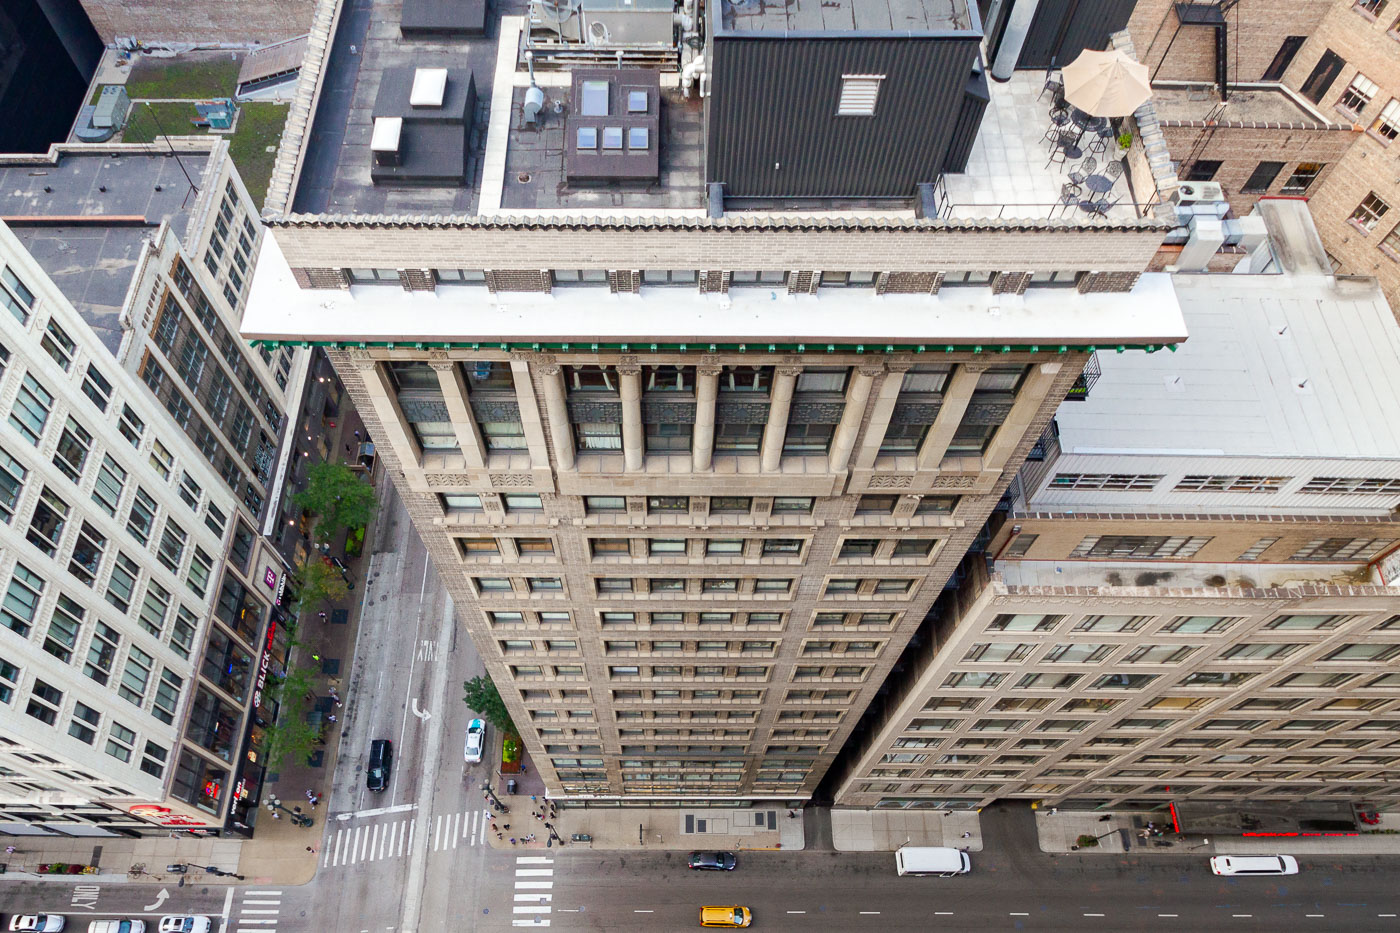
[
  {"x": 1086, "y": 121},
  {"x": 1099, "y": 184},
  {"x": 1068, "y": 143}
]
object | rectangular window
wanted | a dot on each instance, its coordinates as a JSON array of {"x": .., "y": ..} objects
[
  {"x": 31, "y": 409},
  {"x": 111, "y": 481},
  {"x": 122, "y": 583},
  {"x": 523, "y": 502},
  {"x": 154, "y": 607},
  {"x": 182, "y": 632},
  {"x": 73, "y": 446},
  {"x": 1203, "y": 170},
  {"x": 12, "y": 477},
  {"x": 1358, "y": 94},
  {"x": 859, "y": 95},
  {"x": 478, "y": 547},
  {"x": 44, "y": 701},
  {"x": 121, "y": 742},
  {"x": 657, "y": 504},
  {"x": 135, "y": 676},
  {"x": 97, "y": 388},
  {"x": 215, "y": 519},
  {"x": 47, "y": 523},
  {"x": 153, "y": 759},
  {"x": 1387, "y": 125},
  {"x": 58, "y": 344},
  {"x": 1329, "y": 65},
  {"x": 85, "y": 723},
  {"x": 15, "y": 295},
  {"x": 460, "y": 502},
  {"x": 87, "y": 554},
  {"x": 793, "y": 505},
  {"x": 1342, "y": 549},
  {"x": 1304, "y": 174},
  {"x": 172, "y": 546},
  {"x": 64, "y": 628},
  {"x": 142, "y": 518},
  {"x": 189, "y": 490},
  {"x": 167, "y": 696},
  {"x": 591, "y": 378},
  {"x": 1367, "y": 214},
  {"x": 201, "y": 567},
  {"x": 161, "y": 459},
  {"x": 131, "y": 426},
  {"x": 1138, "y": 546}
]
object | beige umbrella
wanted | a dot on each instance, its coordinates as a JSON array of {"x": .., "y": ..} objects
[{"x": 1106, "y": 84}]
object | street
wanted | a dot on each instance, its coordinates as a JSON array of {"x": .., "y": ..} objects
[{"x": 415, "y": 857}]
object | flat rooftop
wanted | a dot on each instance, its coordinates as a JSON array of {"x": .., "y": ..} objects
[
  {"x": 279, "y": 310},
  {"x": 779, "y": 16},
  {"x": 85, "y": 217},
  {"x": 1173, "y": 574},
  {"x": 1276, "y": 366},
  {"x": 1258, "y": 105}
]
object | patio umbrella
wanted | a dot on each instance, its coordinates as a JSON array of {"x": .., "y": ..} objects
[{"x": 1106, "y": 84}]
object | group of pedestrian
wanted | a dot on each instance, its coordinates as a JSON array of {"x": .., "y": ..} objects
[{"x": 312, "y": 796}]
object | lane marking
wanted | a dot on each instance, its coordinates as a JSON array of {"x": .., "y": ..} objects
[
  {"x": 533, "y": 885},
  {"x": 254, "y": 893},
  {"x": 274, "y": 901},
  {"x": 228, "y": 906},
  {"x": 537, "y": 898},
  {"x": 1314, "y": 915},
  {"x": 1242, "y": 915},
  {"x": 534, "y": 872},
  {"x": 1385, "y": 915},
  {"x": 259, "y": 910},
  {"x": 1167, "y": 915},
  {"x": 943, "y": 913},
  {"x": 643, "y": 911},
  {"x": 1093, "y": 915},
  {"x": 378, "y": 811},
  {"x": 1015, "y": 913},
  {"x": 529, "y": 909},
  {"x": 797, "y": 911},
  {"x": 437, "y": 831},
  {"x": 374, "y": 843},
  {"x": 532, "y": 922},
  {"x": 534, "y": 860},
  {"x": 869, "y": 913}
]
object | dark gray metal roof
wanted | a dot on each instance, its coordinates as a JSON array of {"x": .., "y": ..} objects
[
  {"x": 88, "y": 239},
  {"x": 779, "y": 16}
]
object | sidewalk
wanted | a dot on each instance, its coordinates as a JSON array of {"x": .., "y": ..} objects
[
  {"x": 1060, "y": 831},
  {"x": 120, "y": 859},
  {"x": 887, "y": 830}
]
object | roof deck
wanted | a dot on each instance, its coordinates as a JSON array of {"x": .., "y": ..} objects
[
  {"x": 809, "y": 16},
  {"x": 1175, "y": 575},
  {"x": 85, "y": 215}
]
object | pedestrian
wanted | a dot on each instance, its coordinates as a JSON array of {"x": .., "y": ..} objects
[
  {"x": 500, "y": 835},
  {"x": 357, "y": 434},
  {"x": 493, "y": 826},
  {"x": 512, "y": 840},
  {"x": 967, "y": 835},
  {"x": 310, "y": 794},
  {"x": 321, "y": 615},
  {"x": 311, "y": 850},
  {"x": 9, "y": 850},
  {"x": 534, "y": 799},
  {"x": 316, "y": 657},
  {"x": 523, "y": 769},
  {"x": 332, "y": 718},
  {"x": 347, "y": 448},
  {"x": 338, "y": 704},
  {"x": 507, "y": 826},
  {"x": 276, "y": 815}
]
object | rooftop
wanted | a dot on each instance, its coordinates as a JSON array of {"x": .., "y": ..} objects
[
  {"x": 84, "y": 214},
  {"x": 1276, "y": 366},
  {"x": 517, "y": 167},
  {"x": 1175, "y": 575},
  {"x": 279, "y": 310},
  {"x": 1270, "y": 104},
  {"x": 780, "y": 16}
]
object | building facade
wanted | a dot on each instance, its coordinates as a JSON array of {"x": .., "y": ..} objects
[
  {"x": 137, "y": 568},
  {"x": 695, "y": 453},
  {"x": 1188, "y": 602}
]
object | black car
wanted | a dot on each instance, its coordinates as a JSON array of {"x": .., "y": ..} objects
[
  {"x": 381, "y": 763},
  {"x": 713, "y": 861}
]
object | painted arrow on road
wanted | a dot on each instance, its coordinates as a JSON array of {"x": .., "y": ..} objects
[
  {"x": 160, "y": 899},
  {"x": 421, "y": 713}
]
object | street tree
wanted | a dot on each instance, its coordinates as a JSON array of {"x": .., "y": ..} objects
[
  {"x": 338, "y": 497},
  {"x": 317, "y": 583},
  {"x": 290, "y": 737},
  {"x": 481, "y": 695}
]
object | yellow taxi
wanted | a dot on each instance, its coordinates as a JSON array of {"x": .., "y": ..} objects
[{"x": 725, "y": 917}]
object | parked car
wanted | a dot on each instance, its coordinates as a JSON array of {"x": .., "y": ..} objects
[
  {"x": 713, "y": 861},
  {"x": 186, "y": 924},
  {"x": 725, "y": 917},
  {"x": 1254, "y": 865},
  {"x": 37, "y": 923},
  {"x": 117, "y": 926},
  {"x": 381, "y": 764},
  {"x": 476, "y": 741}
]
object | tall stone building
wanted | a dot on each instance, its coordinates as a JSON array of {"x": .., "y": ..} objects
[
  {"x": 1191, "y": 601},
  {"x": 696, "y": 402},
  {"x": 178, "y": 21},
  {"x": 138, "y": 445}
]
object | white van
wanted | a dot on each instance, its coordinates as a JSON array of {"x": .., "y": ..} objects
[
  {"x": 117, "y": 926},
  {"x": 942, "y": 861},
  {"x": 1254, "y": 865}
]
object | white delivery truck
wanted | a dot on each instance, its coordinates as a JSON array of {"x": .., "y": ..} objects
[{"x": 931, "y": 860}]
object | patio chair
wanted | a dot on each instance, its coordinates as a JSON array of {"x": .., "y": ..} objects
[
  {"x": 1102, "y": 206},
  {"x": 1053, "y": 81},
  {"x": 1069, "y": 197},
  {"x": 1083, "y": 170},
  {"x": 1113, "y": 169},
  {"x": 1059, "y": 119},
  {"x": 1066, "y": 147}
]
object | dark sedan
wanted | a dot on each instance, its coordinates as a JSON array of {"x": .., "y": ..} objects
[{"x": 713, "y": 861}]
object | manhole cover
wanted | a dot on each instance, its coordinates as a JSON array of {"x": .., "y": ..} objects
[{"x": 523, "y": 178}]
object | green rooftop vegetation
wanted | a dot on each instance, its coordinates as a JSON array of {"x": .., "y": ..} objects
[{"x": 192, "y": 76}]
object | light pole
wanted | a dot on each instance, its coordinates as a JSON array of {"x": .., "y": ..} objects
[
  {"x": 275, "y": 803},
  {"x": 553, "y": 836},
  {"x": 490, "y": 796},
  {"x": 1202, "y": 844}
]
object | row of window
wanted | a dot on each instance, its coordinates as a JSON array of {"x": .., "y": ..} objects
[
  {"x": 848, "y": 587},
  {"x": 1183, "y": 547},
  {"x": 813, "y": 415},
  {"x": 519, "y": 503},
  {"x": 1146, "y": 482},
  {"x": 618, "y": 619},
  {"x": 771, "y": 278}
]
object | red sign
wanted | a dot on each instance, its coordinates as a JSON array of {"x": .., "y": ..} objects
[
  {"x": 270, "y": 578},
  {"x": 264, "y": 662},
  {"x": 164, "y": 815}
]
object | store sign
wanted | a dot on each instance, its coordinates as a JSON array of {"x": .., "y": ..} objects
[
  {"x": 270, "y": 578},
  {"x": 264, "y": 663},
  {"x": 164, "y": 815},
  {"x": 281, "y": 588}
]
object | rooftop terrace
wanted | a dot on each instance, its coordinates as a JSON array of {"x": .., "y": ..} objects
[
  {"x": 85, "y": 215},
  {"x": 514, "y": 167},
  {"x": 1177, "y": 574},
  {"x": 779, "y": 16}
]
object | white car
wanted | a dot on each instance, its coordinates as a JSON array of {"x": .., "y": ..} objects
[
  {"x": 37, "y": 923},
  {"x": 186, "y": 925},
  {"x": 117, "y": 926},
  {"x": 1254, "y": 865},
  {"x": 476, "y": 741}
]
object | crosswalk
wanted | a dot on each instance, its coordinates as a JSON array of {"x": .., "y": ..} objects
[
  {"x": 373, "y": 842},
  {"x": 257, "y": 911},
  {"x": 534, "y": 882}
]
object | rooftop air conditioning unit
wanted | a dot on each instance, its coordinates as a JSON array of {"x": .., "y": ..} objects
[{"x": 1191, "y": 192}]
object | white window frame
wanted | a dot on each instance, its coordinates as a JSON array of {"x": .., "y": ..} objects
[{"x": 860, "y": 95}]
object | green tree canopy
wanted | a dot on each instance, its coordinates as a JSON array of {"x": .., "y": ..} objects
[
  {"x": 481, "y": 695},
  {"x": 317, "y": 583},
  {"x": 338, "y": 497},
  {"x": 290, "y": 737}
]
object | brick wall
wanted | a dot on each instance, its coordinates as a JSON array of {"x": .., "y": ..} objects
[
  {"x": 191, "y": 21},
  {"x": 1257, "y": 28},
  {"x": 1370, "y": 165},
  {"x": 1241, "y": 147}
]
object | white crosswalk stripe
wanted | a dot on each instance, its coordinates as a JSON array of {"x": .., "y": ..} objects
[
  {"x": 257, "y": 911},
  {"x": 533, "y": 904},
  {"x": 393, "y": 837}
]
